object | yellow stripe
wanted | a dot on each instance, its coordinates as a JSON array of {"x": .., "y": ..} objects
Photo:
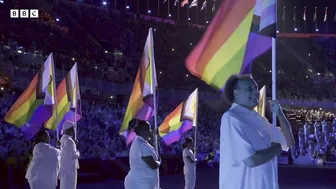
[
  {"x": 173, "y": 127},
  {"x": 229, "y": 49},
  {"x": 63, "y": 106}
]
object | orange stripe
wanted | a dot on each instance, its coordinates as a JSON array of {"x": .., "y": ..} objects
[
  {"x": 230, "y": 16},
  {"x": 165, "y": 127},
  {"x": 61, "y": 90},
  {"x": 25, "y": 96}
]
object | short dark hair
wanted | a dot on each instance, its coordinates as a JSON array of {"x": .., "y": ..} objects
[
  {"x": 137, "y": 125},
  {"x": 230, "y": 86},
  {"x": 186, "y": 141},
  {"x": 39, "y": 137}
]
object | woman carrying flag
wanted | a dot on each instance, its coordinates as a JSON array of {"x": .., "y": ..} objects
[
  {"x": 43, "y": 170},
  {"x": 144, "y": 159},
  {"x": 189, "y": 160}
]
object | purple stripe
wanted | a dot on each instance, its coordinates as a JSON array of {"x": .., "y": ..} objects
[
  {"x": 256, "y": 45},
  {"x": 41, "y": 115},
  {"x": 176, "y": 135},
  {"x": 268, "y": 16}
]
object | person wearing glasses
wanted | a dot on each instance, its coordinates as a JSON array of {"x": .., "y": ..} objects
[{"x": 247, "y": 147}]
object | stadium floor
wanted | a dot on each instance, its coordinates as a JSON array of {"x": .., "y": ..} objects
[{"x": 290, "y": 177}]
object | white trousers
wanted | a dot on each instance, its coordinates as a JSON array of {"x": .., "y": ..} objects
[
  {"x": 35, "y": 184},
  {"x": 132, "y": 182},
  {"x": 189, "y": 178},
  {"x": 68, "y": 181}
]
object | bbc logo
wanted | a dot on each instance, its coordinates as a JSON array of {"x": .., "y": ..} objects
[{"x": 24, "y": 13}]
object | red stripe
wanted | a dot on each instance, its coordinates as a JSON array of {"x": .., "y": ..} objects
[
  {"x": 25, "y": 96},
  {"x": 228, "y": 18},
  {"x": 165, "y": 127}
]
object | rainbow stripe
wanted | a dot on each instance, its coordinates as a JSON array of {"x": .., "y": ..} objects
[
  {"x": 34, "y": 106},
  {"x": 228, "y": 46},
  {"x": 180, "y": 120},
  {"x": 68, "y": 101},
  {"x": 141, "y": 102}
]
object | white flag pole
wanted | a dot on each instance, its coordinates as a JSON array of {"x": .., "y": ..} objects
[
  {"x": 195, "y": 124},
  {"x": 274, "y": 85},
  {"x": 76, "y": 110},
  {"x": 55, "y": 96},
  {"x": 154, "y": 83}
]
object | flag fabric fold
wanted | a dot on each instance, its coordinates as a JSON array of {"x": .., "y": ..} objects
[
  {"x": 214, "y": 6},
  {"x": 184, "y": 2},
  {"x": 68, "y": 101},
  {"x": 204, "y": 5},
  {"x": 182, "y": 119},
  {"x": 176, "y": 2},
  {"x": 141, "y": 102},
  {"x": 261, "y": 107},
  {"x": 325, "y": 14},
  {"x": 194, "y": 3},
  {"x": 34, "y": 106},
  {"x": 294, "y": 14},
  {"x": 239, "y": 32}
]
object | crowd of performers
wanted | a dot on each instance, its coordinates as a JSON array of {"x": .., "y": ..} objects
[
  {"x": 318, "y": 141},
  {"x": 249, "y": 147}
]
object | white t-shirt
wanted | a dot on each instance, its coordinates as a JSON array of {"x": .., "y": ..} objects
[
  {"x": 243, "y": 132},
  {"x": 139, "y": 169},
  {"x": 187, "y": 164}
]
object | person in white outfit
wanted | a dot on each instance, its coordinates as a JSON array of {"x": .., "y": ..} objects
[
  {"x": 143, "y": 158},
  {"x": 189, "y": 160},
  {"x": 69, "y": 158},
  {"x": 247, "y": 146},
  {"x": 44, "y": 167}
]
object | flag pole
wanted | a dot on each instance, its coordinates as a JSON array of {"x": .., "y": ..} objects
[
  {"x": 195, "y": 124},
  {"x": 76, "y": 105},
  {"x": 55, "y": 97},
  {"x": 158, "y": 8},
  {"x": 274, "y": 72},
  {"x": 168, "y": 6},
  {"x": 155, "y": 101}
]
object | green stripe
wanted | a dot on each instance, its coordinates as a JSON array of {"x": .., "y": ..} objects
[
  {"x": 233, "y": 66},
  {"x": 26, "y": 117}
]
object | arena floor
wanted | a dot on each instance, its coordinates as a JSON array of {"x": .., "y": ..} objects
[{"x": 290, "y": 177}]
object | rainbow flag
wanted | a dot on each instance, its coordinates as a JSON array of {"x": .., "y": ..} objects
[
  {"x": 180, "y": 120},
  {"x": 68, "y": 101},
  {"x": 261, "y": 107},
  {"x": 233, "y": 39},
  {"x": 34, "y": 106},
  {"x": 141, "y": 102}
]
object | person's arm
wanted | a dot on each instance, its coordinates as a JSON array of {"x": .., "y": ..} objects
[
  {"x": 188, "y": 154},
  {"x": 147, "y": 155},
  {"x": 191, "y": 160},
  {"x": 286, "y": 129},
  {"x": 149, "y": 160},
  {"x": 70, "y": 147},
  {"x": 263, "y": 156},
  {"x": 237, "y": 145}
]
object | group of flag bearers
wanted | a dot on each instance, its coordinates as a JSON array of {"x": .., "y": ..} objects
[
  {"x": 228, "y": 47},
  {"x": 42, "y": 107}
]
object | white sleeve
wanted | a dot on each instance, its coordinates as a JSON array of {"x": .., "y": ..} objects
[
  {"x": 145, "y": 150},
  {"x": 234, "y": 141},
  {"x": 279, "y": 137}
]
